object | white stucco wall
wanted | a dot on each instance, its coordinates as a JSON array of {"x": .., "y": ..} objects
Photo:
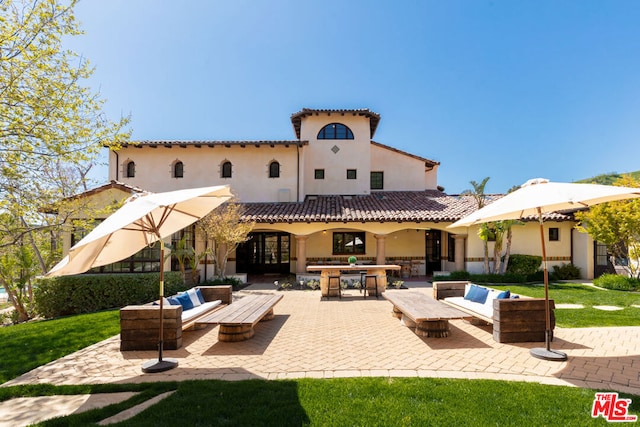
[
  {"x": 401, "y": 172},
  {"x": 525, "y": 241},
  {"x": 250, "y": 180},
  {"x": 349, "y": 154}
]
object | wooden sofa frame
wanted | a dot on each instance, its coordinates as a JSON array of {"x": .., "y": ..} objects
[
  {"x": 514, "y": 320},
  {"x": 140, "y": 326}
]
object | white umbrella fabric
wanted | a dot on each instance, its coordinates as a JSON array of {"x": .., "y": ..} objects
[
  {"x": 140, "y": 222},
  {"x": 533, "y": 199}
]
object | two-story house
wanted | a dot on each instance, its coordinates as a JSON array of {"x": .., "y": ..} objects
[{"x": 330, "y": 193}]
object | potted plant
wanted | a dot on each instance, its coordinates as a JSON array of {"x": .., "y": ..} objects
[{"x": 352, "y": 260}]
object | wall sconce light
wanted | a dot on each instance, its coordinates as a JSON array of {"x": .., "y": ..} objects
[{"x": 324, "y": 231}]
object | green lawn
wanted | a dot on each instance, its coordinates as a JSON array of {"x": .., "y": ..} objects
[
  {"x": 588, "y": 296},
  {"x": 342, "y": 401},
  {"x": 29, "y": 345}
]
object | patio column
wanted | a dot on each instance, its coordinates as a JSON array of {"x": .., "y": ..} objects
[
  {"x": 301, "y": 254},
  {"x": 460, "y": 246},
  {"x": 380, "y": 248}
]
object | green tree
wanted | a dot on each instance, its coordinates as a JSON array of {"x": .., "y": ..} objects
[
  {"x": 223, "y": 230},
  {"x": 50, "y": 123},
  {"x": 617, "y": 225},
  {"x": 484, "y": 232}
]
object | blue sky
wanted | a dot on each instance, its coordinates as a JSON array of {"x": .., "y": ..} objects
[{"x": 507, "y": 89}]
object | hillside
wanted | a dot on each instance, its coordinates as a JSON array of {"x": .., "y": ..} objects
[{"x": 609, "y": 178}]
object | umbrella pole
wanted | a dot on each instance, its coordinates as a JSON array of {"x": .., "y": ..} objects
[
  {"x": 546, "y": 353},
  {"x": 160, "y": 365}
]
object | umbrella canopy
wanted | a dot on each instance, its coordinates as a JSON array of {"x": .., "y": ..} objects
[
  {"x": 141, "y": 221},
  {"x": 540, "y": 196},
  {"x": 535, "y": 198}
]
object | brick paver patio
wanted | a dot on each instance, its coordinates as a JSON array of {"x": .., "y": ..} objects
[{"x": 315, "y": 338}]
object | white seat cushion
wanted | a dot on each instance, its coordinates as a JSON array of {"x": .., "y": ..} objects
[{"x": 202, "y": 308}]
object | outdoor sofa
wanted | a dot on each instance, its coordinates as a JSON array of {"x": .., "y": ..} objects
[
  {"x": 515, "y": 318},
  {"x": 140, "y": 326}
]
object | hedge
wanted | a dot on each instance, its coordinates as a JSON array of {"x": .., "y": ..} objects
[
  {"x": 617, "y": 282},
  {"x": 87, "y": 293},
  {"x": 524, "y": 264}
]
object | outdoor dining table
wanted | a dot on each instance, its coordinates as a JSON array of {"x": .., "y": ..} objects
[{"x": 332, "y": 270}]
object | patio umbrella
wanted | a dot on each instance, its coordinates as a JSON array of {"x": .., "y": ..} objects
[
  {"x": 535, "y": 198},
  {"x": 140, "y": 222}
]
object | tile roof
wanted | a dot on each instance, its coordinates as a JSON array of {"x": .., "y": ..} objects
[
  {"x": 211, "y": 143},
  {"x": 387, "y": 147},
  {"x": 383, "y": 206},
  {"x": 296, "y": 118}
]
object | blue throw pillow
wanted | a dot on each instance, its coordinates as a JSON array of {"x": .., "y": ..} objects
[
  {"x": 173, "y": 300},
  {"x": 185, "y": 301},
  {"x": 480, "y": 296},
  {"x": 504, "y": 294},
  {"x": 472, "y": 291},
  {"x": 200, "y": 297}
]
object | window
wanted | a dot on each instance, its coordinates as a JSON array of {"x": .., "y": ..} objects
[
  {"x": 377, "y": 180},
  {"x": 178, "y": 170},
  {"x": 131, "y": 169},
  {"x": 554, "y": 234},
  {"x": 319, "y": 174},
  {"x": 182, "y": 244},
  {"x": 226, "y": 170},
  {"x": 274, "y": 170},
  {"x": 335, "y": 131},
  {"x": 451, "y": 248},
  {"x": 348, "y": 243},
  {"x": 351, "y": 174},
  {"x": 146, "y": 260}
]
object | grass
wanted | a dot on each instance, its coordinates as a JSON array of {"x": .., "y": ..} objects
[
  {"x": 28, "y": 345},
  {"x": 340, "y": 401},
  {"x": 588, "y": 296},
  {"x": 343, "y": 401}
]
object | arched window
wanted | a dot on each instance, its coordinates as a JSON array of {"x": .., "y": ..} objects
[
  {"x": 274, "y": 170},
  {"x": 131, "y": 169},
  {"x": 335, "y": 131},
  {"x": 226, "y": 170},
  {"x": 178, "y": 170}
]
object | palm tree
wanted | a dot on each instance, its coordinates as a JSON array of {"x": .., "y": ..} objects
[{"x": 485, "y": 231}]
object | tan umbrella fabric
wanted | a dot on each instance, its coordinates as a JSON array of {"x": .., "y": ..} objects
[
  {"x": 540, "y": 196},
  {"x": 141, "y": 221},
  {"x": 535, "y": 198}
]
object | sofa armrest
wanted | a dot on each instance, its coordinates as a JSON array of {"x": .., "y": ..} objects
[
  {"x": 140, "y": 327},
  {"x": 443, "y": 290},
  {"x": 217, "y": 292}
]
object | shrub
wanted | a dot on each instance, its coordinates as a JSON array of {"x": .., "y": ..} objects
[
  {"x": 453, "y": 276},
  {"x": 524, "y": 264},
  {"x": 498, "y": 278},
  {"x": 235, "y": 282},
  {"x": 617, "y": 282},
  {"x": 87, "y": 293},
  {"x": 566, "y": 272}
]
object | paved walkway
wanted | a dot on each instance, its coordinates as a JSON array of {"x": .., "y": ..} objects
[{"x": 311, "y": 337}]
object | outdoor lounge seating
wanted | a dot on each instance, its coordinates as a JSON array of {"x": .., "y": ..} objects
[
  {"x": 139, "y": 324},
  {"x": 514, "y": 318}
]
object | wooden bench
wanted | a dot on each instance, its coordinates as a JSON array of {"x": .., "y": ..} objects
[
  {"x": 428, "y": 317},
  {"x": 238, "y": 319}
]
